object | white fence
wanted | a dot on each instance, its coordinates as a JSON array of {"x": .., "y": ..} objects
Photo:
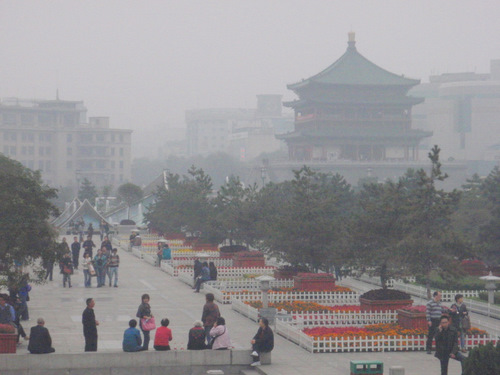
[
  {"x": 245, "y": 310},
  {"x": 474, "y": 306},
  {"x": 249, "y": 284},
  {"x": 362, "y": 344},
  {"x": 343, "y": 318},
  {"x": 189, "y": 261}
]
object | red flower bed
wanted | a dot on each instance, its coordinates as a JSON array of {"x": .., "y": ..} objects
[
  {"x": 302, "y": 306},
  {"x": 389, "y": 329}
]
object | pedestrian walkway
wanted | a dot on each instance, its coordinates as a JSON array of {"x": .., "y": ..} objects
[{"x": 62, "y": 310}]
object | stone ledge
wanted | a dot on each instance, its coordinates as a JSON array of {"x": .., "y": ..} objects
[{"x": 74, "y": 363}]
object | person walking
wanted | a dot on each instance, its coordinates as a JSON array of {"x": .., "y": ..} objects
[
  {"x": 262, "y": 342},
  {"x": 220, "y": 335},
  {"x": 100, "y": 263},
  {"x": 40, "y": 340},
  {"x": 132, "y": 341},
  {"x": 107, "y": 244},
  {"x": 113, "y": 264},
  {"x": 204, "y": 276},
  {"x": 460, "y": 319},
  {"x": 24, "y": 295},
  {"x": 66, "y": 266},
  {"x": 144, "y": 312},
  {"x": 446, "y": 344},
  {"x": 213, "y": 271},
  {"x": 48, "y": 264},
  {"x": 90, "y": 230},
  {"x": 196, "y": 270},
  {"x": 210, "y": 314},
  {"x": 88, "y": 245},
  {"x": 87, "y": 266},
  {"x": 163, "y": 336},
  {"x": 90, "y": 326},
  {"x": 433, "y": 313},
  {"x": 75, "y": 251},
  {"x": 196, "y": 337}
]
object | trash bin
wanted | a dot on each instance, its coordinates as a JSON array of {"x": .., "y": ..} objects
[{"x": 367, "y": 367}]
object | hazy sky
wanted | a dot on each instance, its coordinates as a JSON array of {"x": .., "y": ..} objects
[{"x": 144, "y": 62}]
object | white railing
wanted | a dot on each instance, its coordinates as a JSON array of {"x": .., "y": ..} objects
[
  {"x": 474, "y": 306},
  {"x": 249, "y": 284},
  {"x": 343, "y": 318},
  {"x": 137, "y": 252},
  {"x": 329, "y": 298},
  {"x": 362, "y": 344},
  {"x": 245, "y": 310},
  {"x": 186, "y": 278},
  {"x": 189, "y": 261},
  {"x": 238, "y": 272},
  {"x": 151, "y": 259},
  {"x": 167, "y": 267}
]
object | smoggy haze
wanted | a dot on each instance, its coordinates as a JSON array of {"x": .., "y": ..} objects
[{"x": 143, "y": 63}]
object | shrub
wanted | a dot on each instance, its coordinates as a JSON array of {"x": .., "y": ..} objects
[
  {"x": 385, "y": 294},
  {"x": 462, "y": 283},
  {"x": 484, "y": 296},
  {"x": 484, "y": 360}
]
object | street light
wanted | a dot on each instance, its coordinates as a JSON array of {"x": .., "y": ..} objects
[
  {"x": 490, "y": 286},
  {"x": 263, "y": 173},
  {"x": 266, "y": 311}
]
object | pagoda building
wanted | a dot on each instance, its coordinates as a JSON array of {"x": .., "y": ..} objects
[{"x": 353, "y": 111}]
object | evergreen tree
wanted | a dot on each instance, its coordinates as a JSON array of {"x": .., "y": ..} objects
[{"x": 87, "y": 191}]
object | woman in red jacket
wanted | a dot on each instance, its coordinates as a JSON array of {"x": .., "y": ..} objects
[{"x": 163, "y": 336}]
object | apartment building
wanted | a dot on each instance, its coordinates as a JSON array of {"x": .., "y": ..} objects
[{"x": 55, "y": 137}]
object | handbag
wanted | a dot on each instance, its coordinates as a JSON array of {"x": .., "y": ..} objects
[
  {"x": 148, "y": 324},
  {"x": 466, "y": 323},
  {"x": 209, "y": 345},
  {"x": 66, "y": 270},
  {"x": 91, "y": 269}
]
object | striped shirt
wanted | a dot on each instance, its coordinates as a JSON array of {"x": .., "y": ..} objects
[{"x": 434, "y": 310}]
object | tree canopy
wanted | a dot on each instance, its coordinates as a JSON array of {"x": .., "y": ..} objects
[
  {"x": 87, "y": 191},
  {"x": 24, "y": 227}
]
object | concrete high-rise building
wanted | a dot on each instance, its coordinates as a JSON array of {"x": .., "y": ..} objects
[
  {"x": 463, "y": 112},
  {"x": 54, "y": 136}
]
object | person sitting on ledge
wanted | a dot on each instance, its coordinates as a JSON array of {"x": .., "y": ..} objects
[
  {"x": 163, "y": 336},
  {"x": 262, "y": 342},
  {"x": 132, "y": 341},
  {"x": 196, "y": 337},
  {"x": 40, "y": 340}
]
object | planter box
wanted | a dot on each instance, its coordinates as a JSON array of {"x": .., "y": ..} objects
[
  {"x": 8, "y": 342},
  {"x": 249, "y": 259},
  {"x": 383, "y": 305},
  {"x": 314, "y": 281},
  {"x": 412, "y": 319}
]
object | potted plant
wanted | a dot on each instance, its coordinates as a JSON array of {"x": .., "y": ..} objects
[
  {"x": 412, "y": 317},
  {"x": 384, "y": 300}
]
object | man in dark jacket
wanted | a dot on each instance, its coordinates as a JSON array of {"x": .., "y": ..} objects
[
  {"x": 210, "y": 314},
  {"x": 75, "y": 251},
  {"x": 447, "y": 344},
  {"x": 40, "y": 340},
  {"x": 90, "y": 326}
]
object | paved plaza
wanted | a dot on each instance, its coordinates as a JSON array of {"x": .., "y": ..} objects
[{"x": 62, "y": 309}]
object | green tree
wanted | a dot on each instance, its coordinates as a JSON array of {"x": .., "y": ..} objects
[
  {"x": 87, "y": 191},
  {"x": 430, "y": 242},
  {"x": 129, "y": 193},
  {"x": 185, "y": 206},
  {"x": 26, "y": 233},
  {"x": 378, "y": 228},
  {"x": 489, "y": 240},
  {"x": 309, "y": 224}
]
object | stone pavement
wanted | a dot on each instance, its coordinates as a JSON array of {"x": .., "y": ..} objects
[{"x": 62, "y": 308}]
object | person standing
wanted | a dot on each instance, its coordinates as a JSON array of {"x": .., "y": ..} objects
[
  {"x": 24, "y": 295},
  {"x": 262, "y": 342},
  {"x": 90, "y": 326},
  {"x": 48, "y": 264},
  {"x": 107, "y": 244},
  {"x": 213, "y": 271},
  {"x": 66, "y": 266},
  {"x": 40, "y": 340},
  {"x": 75, "y": 251},
  {"x": 113, "y": 264},
  {"x": 459, "y": 315},
  {"x": 64, "y": 245},
  {"x": 66, "y": 269},
  {"x": 196, "y": 270},
  {"x": 90, "y": 230},
  {"x": 433, "y": 313},
  {"x": 88, "y": 245},
  {"x": 144, "y": 312},
  {"x": 132, "y": 338},
  {"x": 100, "y": 263},
  {"x": 86, "y": 266},
  {"x": 446, "y": 344},
  {"x": 209, "y": 315}
]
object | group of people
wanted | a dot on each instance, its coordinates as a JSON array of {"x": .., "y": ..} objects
[
  {"x": 104, "y": 263},
  {"x": 446, "y": 326},
  {"x": 210, "y": 332},
  {"x": 203, "y": 272}
]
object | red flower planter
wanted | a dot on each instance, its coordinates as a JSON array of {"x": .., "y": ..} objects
[
  {"x": 383, "y": 305},
  {"x": 249, "y": 259},
  {"x": 8, "y": 342},
  {"x": 314, "y": 281},
  {"x": 412, "y": 319}
]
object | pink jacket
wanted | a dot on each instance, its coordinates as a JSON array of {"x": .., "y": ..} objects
[{"x": 222, "y": 340}]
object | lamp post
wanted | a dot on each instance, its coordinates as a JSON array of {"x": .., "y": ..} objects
[
  {"x": 491, "y": 286},
  {"x": 266, "y": 311},
  {"x": 263, "y": 172}
]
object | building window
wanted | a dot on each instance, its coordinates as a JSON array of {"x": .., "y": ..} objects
[
  {"x": 100, "y": 164},
  {"x": 24, "y": 150},
  {"x": 100, "y": 151},
  {"x": 31, "y": 150},
  {"x": 40, "y": 165},
  {"x": 121, "y": 151},
  {"x": 69, "y": 151},
  {"x": 112, "y": 151},
  {"x": 112, "y": 165},
  {"x": 13, "y": 150},
  {"x": 48, "y": 165},
  {"x": 69, "y": 164},
  {"x": 27, "y": 119},
  {"x": 31, "y": 164},
  {"x": 85, "y": 138},
  {"x": 121, "y": 164},
  {"x": 121, "y": 138},
  {"x": 121, "y": 178},
  {"x": 99, "y": 138},
  {"x": 69, "y": 120},
  {"x": 112, "y": 137},
  {"x": 9, "y": 119},
  {"x": 69, "y": 137},
  {"x": 48, "y": 150},
  {"x": 47, "y": 120},
  {"x": 28, "y": 137},
  {"x": 40, "y": 151}
]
